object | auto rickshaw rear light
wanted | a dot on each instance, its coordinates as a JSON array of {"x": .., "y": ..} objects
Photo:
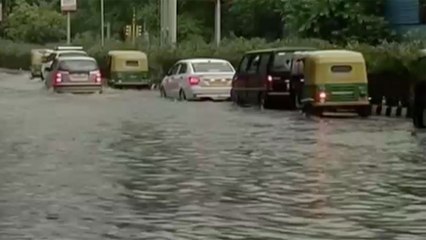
[
  {"x": 193, "y": 81},
  {"x": 270, "y": 78},
  {"x": 322, "y": 96}
]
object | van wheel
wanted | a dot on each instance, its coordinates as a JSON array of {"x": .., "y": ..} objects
[
  {"x": 364, "y": 111},
  {"x": 263, "y": 101},
  {"x": 182, "y": 96}
]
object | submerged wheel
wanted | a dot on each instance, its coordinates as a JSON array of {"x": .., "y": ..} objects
[
  {"x": 364, "y": 111},
  {"x": 264, "y": 101},
  {"x": 419, "y": 118},
  {"x": 182, "y": 96},
  {"x": 163, "y": 92}
]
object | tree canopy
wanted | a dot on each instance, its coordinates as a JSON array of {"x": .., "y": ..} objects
[{"x": 334, "y": 20}]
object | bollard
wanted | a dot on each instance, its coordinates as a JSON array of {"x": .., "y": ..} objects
[
  {"x": 380, "y": 107},
  {"x": 388, "y": 111},
  {"x": 399, "y": 109}
]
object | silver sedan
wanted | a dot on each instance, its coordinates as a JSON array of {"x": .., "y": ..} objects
[{"x": 201, "y": 78}]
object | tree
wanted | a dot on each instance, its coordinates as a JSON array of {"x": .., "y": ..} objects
[
  {"x": 35, "y": 24},
  {"x": 337, "y": 20}
]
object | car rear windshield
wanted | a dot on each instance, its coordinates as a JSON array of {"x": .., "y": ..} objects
[
  {"x": 78, "y": 65},
  {"x": 71, "y": 54},
  {"x": 212, "y": 67},
  {"x": 282, "y": 62}
]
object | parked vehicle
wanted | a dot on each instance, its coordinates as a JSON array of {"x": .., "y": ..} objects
[
  {"x": 418, "y": 102},
  {"x": 265, "y": 77},
  {"x": 76, "y": 74},
  {"x": 200, "y": 78},
  {"x": 127, "y": 68},
  {"x": 60, "y": 51},
  {"x": 36, "y": 61},
  {"x": 335, "y": 80}
]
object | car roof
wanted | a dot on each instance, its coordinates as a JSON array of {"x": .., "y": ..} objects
[
  {"x": 70, "y": 51},
  {"x": 76, "y": 58},
  {"x": 281, "y": 49},
  {"x": 197, "y": 60},
  {"x": 339, "y": 55}
]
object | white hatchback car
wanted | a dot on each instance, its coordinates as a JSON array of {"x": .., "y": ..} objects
[{"x": 198, "y": 78}]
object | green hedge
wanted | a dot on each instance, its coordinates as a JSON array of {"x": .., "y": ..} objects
[{"x": 388, "y": 60}]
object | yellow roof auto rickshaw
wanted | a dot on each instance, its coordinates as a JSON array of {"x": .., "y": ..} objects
[
  {"x": 334, "y": 81},
  {"x": 127, "y": 68},
  {"x": 37, "y": 60}
]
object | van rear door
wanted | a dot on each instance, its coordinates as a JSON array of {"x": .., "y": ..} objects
[{"x": 280, "y": 73}]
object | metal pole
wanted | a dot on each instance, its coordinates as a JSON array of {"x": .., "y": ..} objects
[
  {"x": 68, "y": 28},
  {"x": 218, "y": 23},
  {"x": 161, "y": 22},
  {"x": 102, "y": 23},
  {"x": 134, "y": 27},
  {"x": 173, "y": 22}
]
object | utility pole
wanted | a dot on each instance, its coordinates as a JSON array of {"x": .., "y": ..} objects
[
  {"x": 102, "y": 23},
  {"x": 134, "y": 27},
  {"x": 68, "y": 28},
  {"x": 218, "y": 27},
  {"x": 173, "y": 21}
]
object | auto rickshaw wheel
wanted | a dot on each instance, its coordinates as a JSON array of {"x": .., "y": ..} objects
[
  {"x": 309, "y": 109},
  {"x": 364, "y": 111}
]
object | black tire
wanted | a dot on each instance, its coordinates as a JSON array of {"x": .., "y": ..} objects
[
  {"x": 163, "y": 92},
  {"x": 182, "y": 96},
  {"x": 364, "y": 111},
  {"x": 308, "y": 109}
]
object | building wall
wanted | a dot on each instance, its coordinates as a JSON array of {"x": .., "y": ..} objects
[{"x": 405, "y": 15}]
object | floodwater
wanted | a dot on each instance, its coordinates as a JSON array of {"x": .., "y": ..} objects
[{"x": 130, "y": 165}]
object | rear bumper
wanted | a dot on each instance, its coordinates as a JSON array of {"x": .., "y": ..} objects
[
  {"x": 141, "y": 83},
  {"x": 211, "y": 92},
  {"x": 342, "y": 104},
  {"x": 78, "y": 88}
]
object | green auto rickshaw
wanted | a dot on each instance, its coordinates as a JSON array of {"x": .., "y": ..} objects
[
  {"x": 127, "y": 68},
  {"x": 37, "y": 60},
  {"x": 335, "y": 81}
]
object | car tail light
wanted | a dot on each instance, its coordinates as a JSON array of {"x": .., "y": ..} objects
[
  {"x": 269, "y": 78},
  {"x": 97, "y": 76},
  {"x": 58, "y": 77},
  {"x": 193, "y": 81}
]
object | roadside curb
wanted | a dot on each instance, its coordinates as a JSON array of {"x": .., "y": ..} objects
[{"x": 391, "y": 111}]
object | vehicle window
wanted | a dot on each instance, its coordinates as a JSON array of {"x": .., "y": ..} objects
[
  {"x": 264, "y": 62},
  {"x": 341, "y": 69},
  {"x": 78, "y": 65},
  {"x": 282, "y": 62},
  {"x": 183, "y": 68},
  {"x": 254, "y": 64},
  {"x": 297, "y": 67},
  {"x": 174, "y": 70},
  {"x": 51, "y": 57},
  {"x": 132, "y": 63},
  {"x": 71, "y": 54},
  {"x": 244, "y": 64},
  {"x": 212, "y": 67}
]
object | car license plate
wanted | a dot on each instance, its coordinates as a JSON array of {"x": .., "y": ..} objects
[{"x": 79, "y": 77}]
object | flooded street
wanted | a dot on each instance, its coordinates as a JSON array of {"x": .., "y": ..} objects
[{"x": 130, "y": 165}]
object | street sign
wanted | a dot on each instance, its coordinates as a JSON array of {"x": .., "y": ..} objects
[{"x": 68, "y": 5}]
